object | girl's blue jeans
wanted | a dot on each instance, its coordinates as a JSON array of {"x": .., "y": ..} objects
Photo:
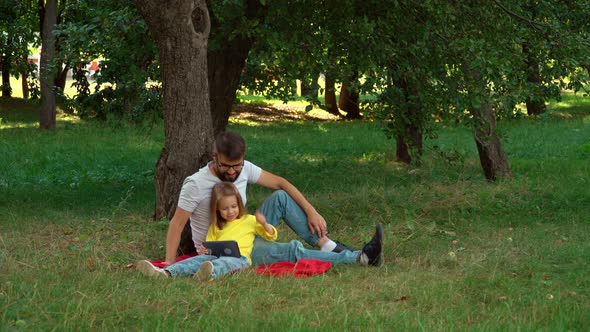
[{"x": 221, "y": 266}]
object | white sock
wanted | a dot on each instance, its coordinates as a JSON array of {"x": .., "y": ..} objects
[{"x": 328, "y": 246}]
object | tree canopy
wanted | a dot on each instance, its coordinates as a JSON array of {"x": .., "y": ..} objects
[{"x": 413, "y": 64}]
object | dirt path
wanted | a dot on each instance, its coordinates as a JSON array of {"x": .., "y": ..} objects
[{"x": 278, "y": 112}]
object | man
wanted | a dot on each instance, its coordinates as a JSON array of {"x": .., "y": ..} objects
[{"x": 287, "y": 203}]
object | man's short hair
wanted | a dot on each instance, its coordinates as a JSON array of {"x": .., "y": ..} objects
[{"x": 230, "y": 144}]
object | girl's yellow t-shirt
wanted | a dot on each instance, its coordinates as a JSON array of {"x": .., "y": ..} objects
[{"x": 242, "y": 230}]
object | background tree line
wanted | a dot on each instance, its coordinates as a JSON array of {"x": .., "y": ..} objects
[{"x": 406, "y": 63}]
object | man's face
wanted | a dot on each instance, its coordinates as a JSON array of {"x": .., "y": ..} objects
[{"x": 228, "y": 170}]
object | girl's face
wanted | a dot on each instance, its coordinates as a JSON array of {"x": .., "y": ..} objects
[{"x": 228, "y": 207}]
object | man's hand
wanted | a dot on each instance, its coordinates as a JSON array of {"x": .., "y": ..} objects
[{"x": 317, "y": 224}]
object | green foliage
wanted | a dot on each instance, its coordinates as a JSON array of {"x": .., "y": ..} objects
[
  {"x": 114, "y": 33},
  {"x": 76, "y": 207},
  {"x": 17, "y": 33},
  {"x": 324, "y": 39},
  {"x": 420, "y": 58}
]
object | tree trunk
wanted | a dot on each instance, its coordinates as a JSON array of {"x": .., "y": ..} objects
[
  {"x": 349, "y": 102},
  {"x": 181, "y": 31},
  {"x": 60, "y": 81},
  {"x": 47, "y": 76},
  {"x": 5, "y": 67},
  {"x": 25, "y": 84},
  {"x": 330, "y": 97},
  {"x": 491, "y": 155},
  {"x": 6, "y": 88},
  {"x": 310, "y": 88},
  {"x": 402, "y": 152},
  {"x": 226, "y": 63},
  {"x": 412, "y": 139},
  {"x": 409, "y": 141},
  {"x": 535, "y": 105}
]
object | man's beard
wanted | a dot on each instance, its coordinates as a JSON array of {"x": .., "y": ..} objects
[{"x": 223, "y": 176}]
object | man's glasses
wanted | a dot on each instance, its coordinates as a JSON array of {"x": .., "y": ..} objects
[{"x": 224, "y": 168}]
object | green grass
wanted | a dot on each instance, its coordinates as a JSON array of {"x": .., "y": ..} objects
[{"x": 461, "y": 253}]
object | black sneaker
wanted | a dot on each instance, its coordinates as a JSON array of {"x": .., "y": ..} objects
[
  {"x": 340, "y": 247},
  {"x": 371, "y": 253}
]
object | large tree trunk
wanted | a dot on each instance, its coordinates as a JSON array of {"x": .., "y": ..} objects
[
  {"x": 181, "y": 31},
  {"x": 47, "y": 76},
  {"x": 226, "y": 63},
  {"x": 535, "y": 105}
]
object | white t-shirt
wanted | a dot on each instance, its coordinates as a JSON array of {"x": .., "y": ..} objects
[{"x": 196, "y": 195}]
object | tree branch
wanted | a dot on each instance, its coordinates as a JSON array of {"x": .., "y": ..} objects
[{"x": 533, "y": 24}]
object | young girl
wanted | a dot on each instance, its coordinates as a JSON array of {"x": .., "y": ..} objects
[{"x": 229, "y": 221}]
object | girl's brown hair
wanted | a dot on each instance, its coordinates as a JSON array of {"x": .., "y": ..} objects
[{"x": 220, "y": 190}]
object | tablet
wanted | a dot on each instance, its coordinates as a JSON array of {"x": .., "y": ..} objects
[{"x": 223, "y": 248}]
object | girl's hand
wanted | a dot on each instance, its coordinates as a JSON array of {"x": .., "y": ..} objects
[
  {"x": 201, "y": 250},
  {"x": 260, "y": 217}
]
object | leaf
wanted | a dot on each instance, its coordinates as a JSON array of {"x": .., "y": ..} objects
[
  {"x": 90, "y": 263},
  {"x": 449, "y": 233},
  {"x": 475, "y": 102},
  {"x": 68, "y": 230}
]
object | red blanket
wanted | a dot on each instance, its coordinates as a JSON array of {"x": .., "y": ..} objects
[
  {"x": 160, "y": 262},
  {"x": 304, "y": 268}
]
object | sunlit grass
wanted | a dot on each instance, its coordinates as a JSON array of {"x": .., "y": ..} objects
[
  {"x": 17, "y": 90},
  {"x": 461, "y": 253}
]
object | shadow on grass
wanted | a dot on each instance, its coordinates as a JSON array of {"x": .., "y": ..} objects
[
  {"x": 18, "y": 113},
  {"x": 19, "y": 110},
  {"x": 571, "y": 106},
  {"x": 264, "y": 112}
]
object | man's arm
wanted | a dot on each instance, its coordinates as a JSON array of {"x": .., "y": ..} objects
[
  {"x": 317, "y": 223},
  {"x": 174, "y": 230}
]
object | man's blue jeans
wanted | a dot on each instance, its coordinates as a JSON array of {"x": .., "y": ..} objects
[
  {"x": 280, "y": 206},
  {"x": 221, "y": 266},
  {"x": 268, "y": 252}
]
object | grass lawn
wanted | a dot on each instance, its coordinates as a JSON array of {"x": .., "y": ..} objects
[{"x": 461, "y": 253}]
